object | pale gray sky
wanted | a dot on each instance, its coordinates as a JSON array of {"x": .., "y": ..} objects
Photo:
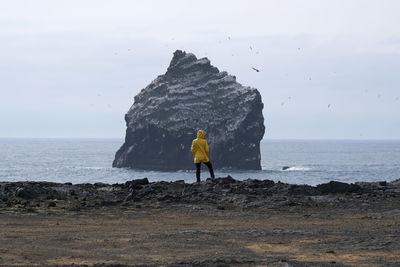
[{"x": 329, "y": 69}]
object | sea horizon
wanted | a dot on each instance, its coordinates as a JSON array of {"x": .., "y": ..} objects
[
  {"x": 263, "y": 140},
  {"x": 310, "y": 161}
]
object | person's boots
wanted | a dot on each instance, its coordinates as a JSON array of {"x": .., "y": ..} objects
[
  {"x": 198, "y": 167},
  {"x": 210, "y": 169},
  {"x": 212, "y": 173}
]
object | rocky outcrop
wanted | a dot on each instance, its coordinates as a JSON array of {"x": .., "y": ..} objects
[{"x": 192, "y": 95}]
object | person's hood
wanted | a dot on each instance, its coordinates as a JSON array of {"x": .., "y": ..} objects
[{"x": 200, "y": 134}]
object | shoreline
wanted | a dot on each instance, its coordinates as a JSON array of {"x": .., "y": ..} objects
[{"x": 221, "y": 222}]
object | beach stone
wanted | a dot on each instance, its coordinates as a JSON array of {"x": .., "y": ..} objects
[
  {"x": 3, "y": 197},
  {"x": 383, "y": 183},
  {"x": 137, "y": 183},
  {"x": 24, "y": 202},
  {"x": 51, "y": 204},
  {"x": 338, "y": 187},
  {"x": 192, "y": 95},
  {"x": 30, "y": 191}
]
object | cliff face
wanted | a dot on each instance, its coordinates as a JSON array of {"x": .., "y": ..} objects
[{"x": 192, "y": 95}]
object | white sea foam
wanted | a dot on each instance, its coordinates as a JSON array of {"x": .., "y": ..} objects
[
  {"x": 298, "y": 169},
  {"x": 94, "y": 168}
]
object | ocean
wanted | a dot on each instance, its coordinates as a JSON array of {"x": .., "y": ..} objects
[{"x": 311, "y": 162}]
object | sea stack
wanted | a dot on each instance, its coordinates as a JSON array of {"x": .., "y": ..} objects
[{"x": 192, "y": 95}]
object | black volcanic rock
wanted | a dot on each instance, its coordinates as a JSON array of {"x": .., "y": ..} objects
[
  {"x": 29, "y": 191},
  {"x": 192, "y": 95},
  {"x": 220, "y": 192},
  {"x": 338, "y": 187}
]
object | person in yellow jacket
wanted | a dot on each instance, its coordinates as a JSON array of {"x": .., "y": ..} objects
[{"x": 200, "y": 153}]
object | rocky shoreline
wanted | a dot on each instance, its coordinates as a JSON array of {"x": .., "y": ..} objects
[{"x": 221, "y": 192}]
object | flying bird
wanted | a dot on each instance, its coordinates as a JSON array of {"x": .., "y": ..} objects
[
  {"x": 329, "y": 105},
  {"x": 255, "y": 69},
  {"x": 251, "y": 48}
]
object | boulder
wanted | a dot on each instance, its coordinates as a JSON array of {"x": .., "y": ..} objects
[
  {"x": 30, "y": 191},
  {"x": 51, "y": 204},
  {"x": 338, "y": 187},
  {"x": 382, "y": 183},
  {"x": 137, "y": 183},
  {"x": 193, "y": 95}
]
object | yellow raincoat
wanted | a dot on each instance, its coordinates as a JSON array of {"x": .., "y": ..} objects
[{"x": 200, "y": 148}]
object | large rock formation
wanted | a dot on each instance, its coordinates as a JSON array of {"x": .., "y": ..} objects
[{"x": 192, "y": 95}]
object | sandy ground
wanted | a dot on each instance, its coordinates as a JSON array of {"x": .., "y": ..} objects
[{"x": 202, "y": 235}]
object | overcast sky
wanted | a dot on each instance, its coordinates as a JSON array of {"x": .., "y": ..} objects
[{"x": 328, "y": 69}]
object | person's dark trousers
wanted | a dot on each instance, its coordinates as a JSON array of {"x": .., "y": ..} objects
[{"x": 198, "y": 167}]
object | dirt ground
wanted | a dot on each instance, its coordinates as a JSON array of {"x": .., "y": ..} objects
[{"x": 201, "y": 235}]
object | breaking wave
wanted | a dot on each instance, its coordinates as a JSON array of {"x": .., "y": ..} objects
[{"x": 298, "y": 169}]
